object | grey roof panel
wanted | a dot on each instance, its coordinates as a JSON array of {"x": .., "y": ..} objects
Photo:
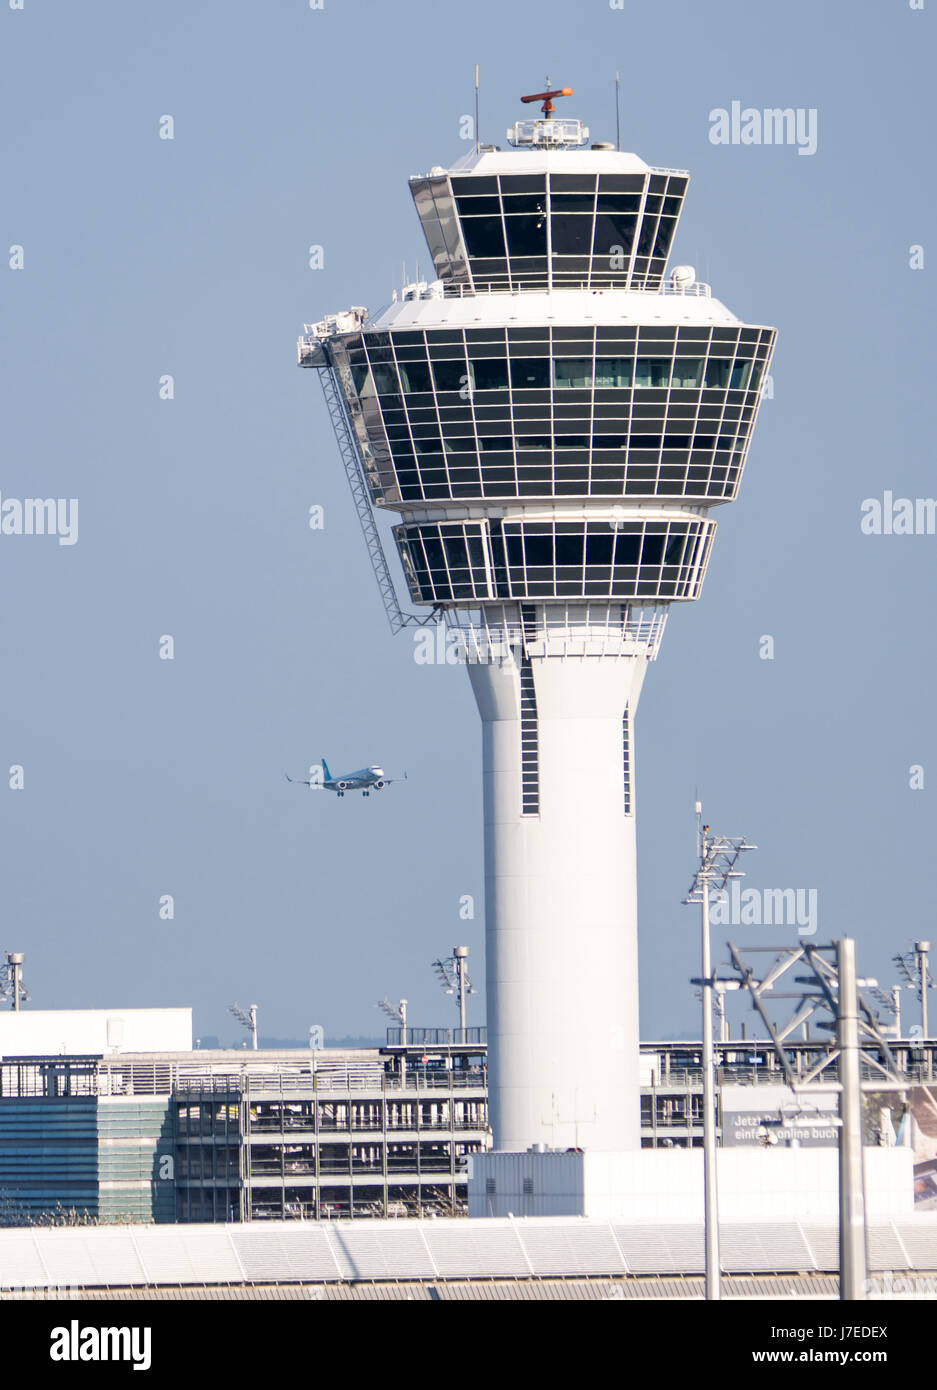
[
  {"x": 920, "y": 1241},
  {"x": 186, "y": 1255},
  {"x": 391, "y": 1253},
  {"x": 559, "y": 1249},
  {"x": 461, "y": 1249},
  {"x": 20, "y": 1264},
  {"x": 295, "y": 1251},
  {"x": 766, "y": 1247},
  {"x": 674, "y": 1248}
]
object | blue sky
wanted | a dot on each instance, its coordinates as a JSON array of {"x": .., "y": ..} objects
[{"x": 144, "y": 257}]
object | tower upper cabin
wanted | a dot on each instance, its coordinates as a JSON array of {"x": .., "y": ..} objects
[{"x": 551, "y": 213}]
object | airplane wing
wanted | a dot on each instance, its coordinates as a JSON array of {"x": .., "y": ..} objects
[{"x": 297, "y": 781}]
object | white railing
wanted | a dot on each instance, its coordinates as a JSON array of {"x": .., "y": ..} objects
[
  {"x": 549, "y": 133},
  {"x": 482, "y": 638},
  {"x": 698, "y": 290}
]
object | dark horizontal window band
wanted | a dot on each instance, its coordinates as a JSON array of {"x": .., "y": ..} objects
[
  {"x": 403, "y": 341},
  {"x": 526, "y": 412},
  {"x": 438, "y": 477},
  {"x": 452, "y": 562},
  {"x": 523, "y": 368},
  {"x": 537, "y": 230}
]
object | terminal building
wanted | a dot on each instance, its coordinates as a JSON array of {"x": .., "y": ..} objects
[
  {"x": 190, "y": 1135},
  {"x": 176, "y": 1134}
]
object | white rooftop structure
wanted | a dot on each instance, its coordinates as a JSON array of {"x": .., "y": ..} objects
[{"x": 93, "y": 1032}]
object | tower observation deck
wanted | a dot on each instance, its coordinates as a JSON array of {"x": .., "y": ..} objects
[{"x": 552, "y": 417}]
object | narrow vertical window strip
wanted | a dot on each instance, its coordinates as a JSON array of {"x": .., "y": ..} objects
[
  {"x": 626, "y": 758},
  {"x": 530, "y": 768}
]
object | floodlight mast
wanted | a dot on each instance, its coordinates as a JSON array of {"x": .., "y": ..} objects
[
  {"x": 398, "y": 1013},
  {"x": 452, "y": 974},
  {"x": 12, "y": 984},
  {"x": 921, "y": 949},
  {"x": 913, "y": 966},
  {"x": 718, "y": 855},
  {"x": 460, "y": 954},
  {"x": 890, "y": 1000},
  {"x": 247, "y": 1019}
]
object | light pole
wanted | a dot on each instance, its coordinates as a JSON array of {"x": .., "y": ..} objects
[
  {"x": 247, "y": 1019},
  {"x": 852, "y": 1230},
  {"x": 398, "y": 1013},
  {"x": 921, "y": 949},
  {"x": 16, "y": 966},
  {"x": 721, "y": 988},
  {"x": 718, "y": 856},
  {"x": 459, "y": 955},
  {"x": 858, "y": 1041},
  {"x": 452, "y": 974},
  {"x": 913, "y": 966},
  {"x": 710, "y": 1178}
]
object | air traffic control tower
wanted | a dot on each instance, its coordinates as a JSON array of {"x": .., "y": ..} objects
[{"x": 553, "y": 417}]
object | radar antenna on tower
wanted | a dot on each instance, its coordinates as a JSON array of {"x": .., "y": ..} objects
[{"x": 547, "y": 97}]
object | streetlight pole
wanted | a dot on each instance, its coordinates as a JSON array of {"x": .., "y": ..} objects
[
  {"x": 710, "y": 1181},
  {"x": 16, "y": 962},
  {"x": 459, "y": 954},
  {"x": 852, "y": 1234},
  {"x": 718, "y": 855},
  {"x": 921, "y": 949},
  {"x": 403, "y": 1039}
]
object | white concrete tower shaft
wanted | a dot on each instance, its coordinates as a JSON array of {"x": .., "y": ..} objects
[{"x": 560, "y": 902}]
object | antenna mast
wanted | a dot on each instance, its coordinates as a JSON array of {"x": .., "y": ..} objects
[
  {"x": 617, "y": 112},
  {"x": 477, "y": 136}
]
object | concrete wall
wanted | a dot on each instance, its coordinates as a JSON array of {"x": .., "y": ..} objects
[{"x": 667, "y": 1184}]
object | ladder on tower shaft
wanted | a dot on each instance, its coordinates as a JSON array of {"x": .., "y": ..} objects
[{"x": 354, "y": 471}]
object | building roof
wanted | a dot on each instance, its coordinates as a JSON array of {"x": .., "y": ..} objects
[
  {"x": 539, "y": 161},
  {"x": 428, "y": 1251},
  {"x": 571, "y": 308}
]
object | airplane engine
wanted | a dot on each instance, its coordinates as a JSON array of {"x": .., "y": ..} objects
[
  {"x": 341, "y": 786},
  {"x": 379, "y": 785}
]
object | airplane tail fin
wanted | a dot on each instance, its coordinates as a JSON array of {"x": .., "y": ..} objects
[{"x": 325, "y": 769}]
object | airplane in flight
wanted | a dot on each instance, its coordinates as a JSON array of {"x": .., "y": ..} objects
[{"x": 365, "y": 780}]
